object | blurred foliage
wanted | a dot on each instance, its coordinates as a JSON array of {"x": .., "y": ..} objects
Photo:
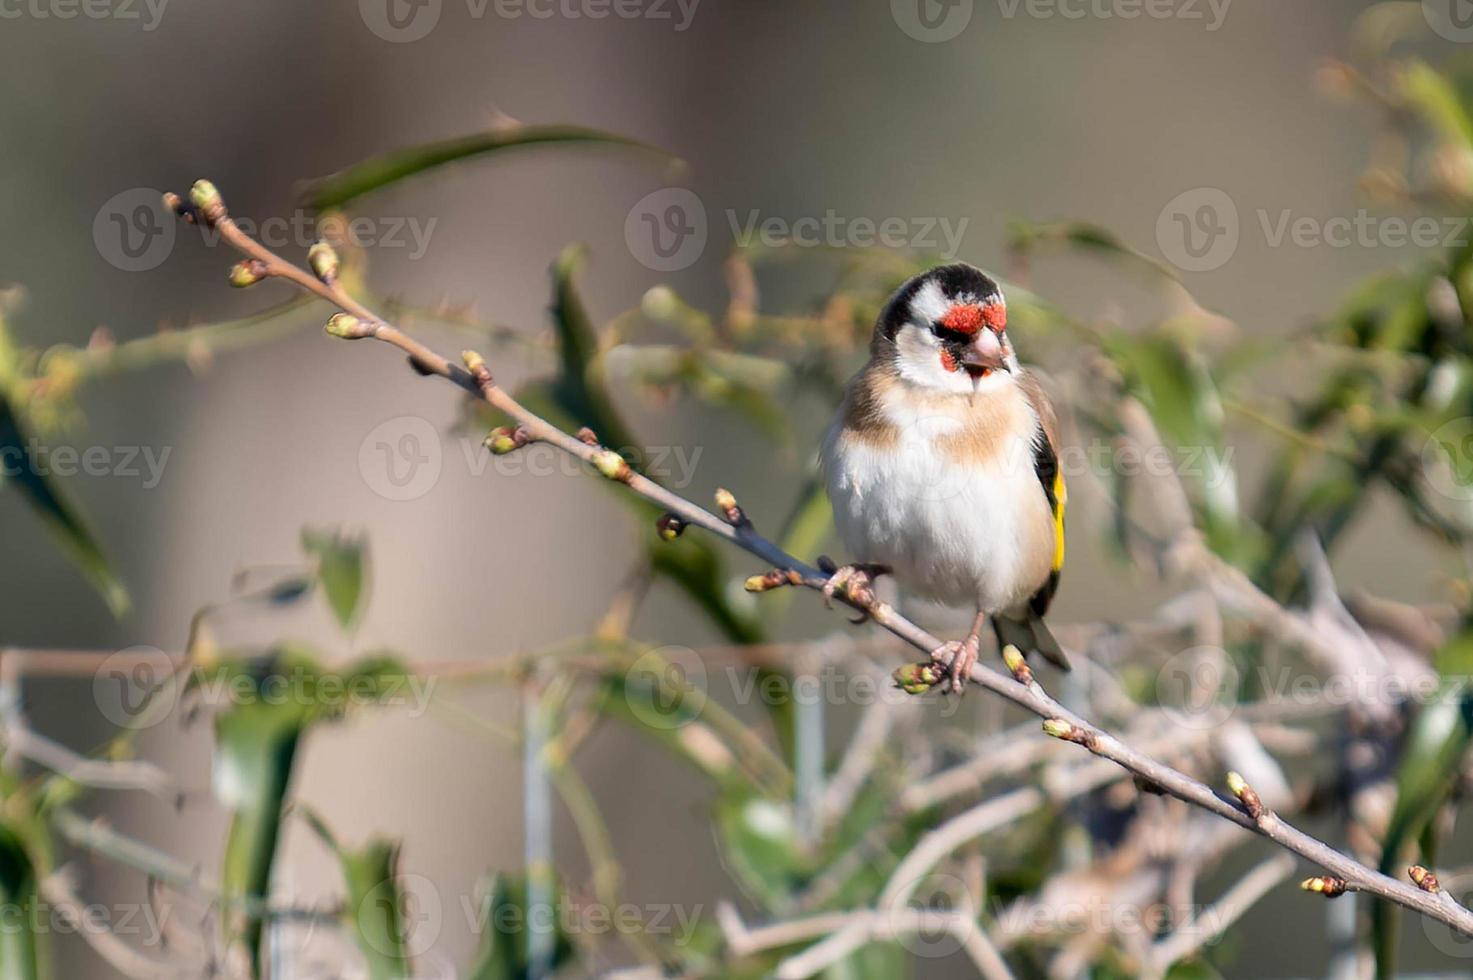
[
  {"x": 346, "y": 186},
  {"x": 1378, "y": 407},
  {"x": 506, "y": 920}
]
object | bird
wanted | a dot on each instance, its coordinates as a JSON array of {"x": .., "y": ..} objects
[{"x": 942, "y": 468}]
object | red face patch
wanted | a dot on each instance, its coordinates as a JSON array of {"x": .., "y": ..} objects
[
  {"x": 949, "y": 362},
  {"x": 968, "y": 318},
  {"x": 995, "y": 315}
]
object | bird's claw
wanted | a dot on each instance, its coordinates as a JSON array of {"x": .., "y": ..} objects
[
  {"x": 956, "y": 658},
  {"x": 856, "y": 583}
]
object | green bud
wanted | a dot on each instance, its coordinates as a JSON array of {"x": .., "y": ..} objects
[
  {"x": 1236, "y": 784},
  {"x": 502, "y": 441},
  {"x": 247, "y": 273},
  {"x": 1326, "y": 886},
  {"x": 323, "y": 259},
  {"x": 916, "y": 679},
  {"x": 670, "y": 527},
  {"x": 1013, "y": 658},
  {"x": 207, "y": 201},
  {"x": 347, "y": 327},
  {"x": 660, "y": 303},
  {"x": 1424, "y": 879},
  {"x": 611, "y": 465},
  {"x": 1058, "y": 728}
]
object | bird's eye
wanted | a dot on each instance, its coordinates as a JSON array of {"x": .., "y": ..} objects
[{"x": 949, "y": 336}]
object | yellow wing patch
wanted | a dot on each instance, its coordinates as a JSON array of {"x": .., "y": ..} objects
[{"x": 1061, "y": 496}]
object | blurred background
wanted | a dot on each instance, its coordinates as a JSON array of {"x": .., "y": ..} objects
[{"x": 945, "y": 123}]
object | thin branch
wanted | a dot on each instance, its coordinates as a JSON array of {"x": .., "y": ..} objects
[
  {"x": 56, "y": 889},
  {"x": 1191, "y": 936},
  {"x": 476, "y": 379},
  {"x": 853, "y": 930}
]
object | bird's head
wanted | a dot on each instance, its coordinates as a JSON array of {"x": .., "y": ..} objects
[{"x": 946, "y": 331}]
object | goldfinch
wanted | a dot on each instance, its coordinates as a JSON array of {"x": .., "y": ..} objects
[{"x": 942, "y": 467}]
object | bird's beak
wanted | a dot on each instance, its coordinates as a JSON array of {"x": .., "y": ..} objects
[{"x": 983, "y": 356}]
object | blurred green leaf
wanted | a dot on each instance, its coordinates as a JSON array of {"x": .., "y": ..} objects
[
  {"x": 1430, "y": 768},
  {"x": 20, "y": 945},
  {"x": 759, "y": 843},
  {"x": 256, "y": 741},
  {"x": 269, "y": 704},
  {"x": 1430, "y": 94},
  {"x": 745, "y": 383},
  {"x": 579, "y": 396},
  {"x": 503, "y": 927},
  {"x": 1027, "y": 238},
  {"x": 376, "y": 902},
  {"x": 341, "y": 567},
  {"x": 338, "y": 189},
  {"x": 874, "y": 961},
  {"x": 1176, "y": 387},
  {"x": 20, "y": 468},
  {"x": 810, "y": 522}
]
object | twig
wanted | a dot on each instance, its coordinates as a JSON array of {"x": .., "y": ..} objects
[
  {"x": 56, "y": 889},
  {"x": 857, "y": 929},
  {"x": 865, "y": 749},
  {"x": 95, "y": 773},
  {"x": 1202, "y": 929},
  {"x": 358, "y": 322}
]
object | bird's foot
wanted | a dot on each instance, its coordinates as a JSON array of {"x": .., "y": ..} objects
[
  {"x": 855, "y": 582},
  {"x": 956, "y": 659}
]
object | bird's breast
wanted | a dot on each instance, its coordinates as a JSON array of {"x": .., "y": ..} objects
[{"x": 947, "y": 496}]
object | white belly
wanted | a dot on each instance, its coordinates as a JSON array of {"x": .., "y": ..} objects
[{"x": 954, "y": 533}]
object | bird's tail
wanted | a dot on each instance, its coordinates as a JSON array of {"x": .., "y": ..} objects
[{"x": 1030, "y": 635}]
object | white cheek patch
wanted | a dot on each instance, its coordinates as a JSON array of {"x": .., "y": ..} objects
[{"x": 919, "y": 361}]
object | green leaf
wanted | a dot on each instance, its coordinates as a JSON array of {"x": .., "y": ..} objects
[
  {"x": 19, "y": 468},
  {"x": 579, "y": 396},
  {"x": 1432, "y": 96},
  {"x": 759, "y": 843},
  {"x": 256, "y": 742},
  {"x": 1430, "y": 768},
  {"x": 745, "y": 383},
  {"x": 874, "y": 961},
  {"x": 20, "y": 945},
  {"x": 503, "y": 926},
  {"x": 1174, "y": 384},
  {"x": 353, "y": 182},
  {"x": 1026, "y": 237},
  {"x": 376, "y": 902},
  {"x": 341, "y": 567},
  {"x": 268, "y": 706}
]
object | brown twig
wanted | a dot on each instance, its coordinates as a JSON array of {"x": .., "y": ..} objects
[{"x": 475, "y": 378}]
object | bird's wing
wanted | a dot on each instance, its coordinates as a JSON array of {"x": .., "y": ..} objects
[{"x": 1046, "y": 465}]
